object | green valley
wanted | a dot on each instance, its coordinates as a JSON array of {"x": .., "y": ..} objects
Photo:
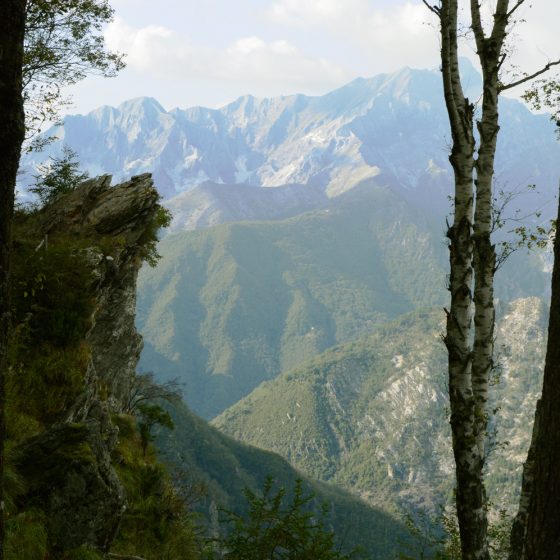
[
  {"x": 201, "y": 456},
  {"x": 237, "y": 304},
  {"x": 371, "y": 415},
  {"x": 234, "y": 305}
]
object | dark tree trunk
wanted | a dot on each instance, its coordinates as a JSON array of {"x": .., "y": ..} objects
[
  {"x": 12, "y": 130},
  {"x": 542, "y": 534}
]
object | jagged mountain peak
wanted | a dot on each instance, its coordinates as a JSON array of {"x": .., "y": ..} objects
[
  {"x": 147, "y": 105},
  {"x": 392, "y": 124}
]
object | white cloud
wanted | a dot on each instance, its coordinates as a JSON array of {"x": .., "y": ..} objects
[
  {"x": 161, "y": 52},
  {"x": 389, "y": 36},
  {"x": 396, "y": 33},
  {"x": 535, "y": 40},
  {"x": 184, "y": 55}
]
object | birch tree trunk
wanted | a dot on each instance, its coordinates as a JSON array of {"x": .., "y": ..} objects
[
  {"x": 12, "y": 130},
  {"x": 469, "y": 496},
  {"x": 472, "y": 263}
]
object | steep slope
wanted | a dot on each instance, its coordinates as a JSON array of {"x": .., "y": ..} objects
[
  {"x": 392, "y": 124},
  {"x": 371, "y": 416},
  {"x": 231, "y": 306},
  {"x": 210, "y": 204},
  {"x": 74, "y": 459},
  {"x": 201, "y": 454}
]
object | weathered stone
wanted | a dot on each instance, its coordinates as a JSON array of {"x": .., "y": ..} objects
[
  {"x": 120, "y": 215},
  {"x": 68, "y": 469}
]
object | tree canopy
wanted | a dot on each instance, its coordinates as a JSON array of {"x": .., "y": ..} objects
[{"x": 64, "y": 43}]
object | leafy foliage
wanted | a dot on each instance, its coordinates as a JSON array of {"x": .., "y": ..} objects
[
  {"x": 60, "y": 176},
  {"x": 545, "y": 94},
  {"x": 149, "y": 240},
  {"x": 63, "y": 44},
  {"x": 513, "y": 232},
  {"x": 152, "y": 415}
]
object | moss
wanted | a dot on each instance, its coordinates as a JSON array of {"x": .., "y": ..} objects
[
  {"x": 83, "y": 553},
  {"x": 156, "y": 524},
  {"x": 26, "y": 536}
]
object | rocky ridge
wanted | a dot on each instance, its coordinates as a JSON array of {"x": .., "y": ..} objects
[
  {"x": 68, "y": 468},
  {"x": 391, "y": 128}
]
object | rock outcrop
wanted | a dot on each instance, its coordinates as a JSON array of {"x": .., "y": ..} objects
[
  {"x": 67, "y": 468},
  {"x": 120, "y": 217}
]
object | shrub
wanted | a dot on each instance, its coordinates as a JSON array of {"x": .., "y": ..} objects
[
  {"x": 59, "y": 176},
  {"x": 275, "y": 529}
]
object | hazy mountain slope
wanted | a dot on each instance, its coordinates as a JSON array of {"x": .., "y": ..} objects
[
  {"x": 233, "y": 305},
  {"x": 371, "y": 415},
  {"x": 225, "y": 467},
  {"x": 210, "y": 204},
  {"x": 394, "y": 124}
]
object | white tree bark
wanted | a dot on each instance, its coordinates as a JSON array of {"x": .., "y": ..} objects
[
  {"x": 472, "y": 261},
  {"x": 468, "y": 458}
]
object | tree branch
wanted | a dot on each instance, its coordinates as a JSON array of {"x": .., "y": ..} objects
[
  {"x": 477, "y": 26},
  {"x": 432, "y": 8},
  {"x": 528, "y": 78},
  {"x": 500, "y": 24},
  {"x": 517, "y": 5}
]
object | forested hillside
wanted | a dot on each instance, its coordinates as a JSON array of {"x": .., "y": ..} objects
[
  {"x": 235, "y": 305},
  {"x": 372, "y": 416}
]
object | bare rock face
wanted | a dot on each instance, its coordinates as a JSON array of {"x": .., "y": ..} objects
[
  {"x": 95, "y": 205},
  {"x": 68, "y": 468},
  {"x": 121, "y": 216}
]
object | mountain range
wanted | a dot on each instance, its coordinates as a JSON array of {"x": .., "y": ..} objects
[
  {"x": 392, "y": 127},
  {"x": 231, "y": 306},
  {"x": 234, "y": 305}
]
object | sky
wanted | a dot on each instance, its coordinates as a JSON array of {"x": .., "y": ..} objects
[{"x": 209, "y": 52}]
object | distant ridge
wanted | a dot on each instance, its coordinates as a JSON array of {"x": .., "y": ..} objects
[
  {"x": 392, "y": 125},
  {"x": 210, "y": 204}
]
